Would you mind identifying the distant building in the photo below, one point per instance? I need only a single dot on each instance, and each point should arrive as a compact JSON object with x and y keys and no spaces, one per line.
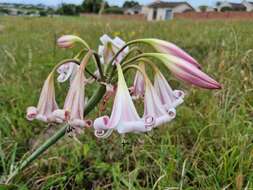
{"x":14,"y":9}
{"x":229,"y":6}
{"x":160,"y":10}
{"x":13,"y":12}
{"x":133,"y":10}
{"x":248,"y":5}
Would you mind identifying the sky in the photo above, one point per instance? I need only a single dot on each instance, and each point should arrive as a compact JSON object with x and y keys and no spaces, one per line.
{"x":195,"y":3}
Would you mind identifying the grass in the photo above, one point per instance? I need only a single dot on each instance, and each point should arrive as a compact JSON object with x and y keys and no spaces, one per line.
{"x":208,"y":146}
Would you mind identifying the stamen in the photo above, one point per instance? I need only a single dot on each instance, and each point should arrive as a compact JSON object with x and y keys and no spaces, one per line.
{"x":171,"y":112}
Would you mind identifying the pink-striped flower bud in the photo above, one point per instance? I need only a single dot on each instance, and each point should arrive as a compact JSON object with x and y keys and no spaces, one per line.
{"x":185,"y":71}
{"x":169,"y":48}
{"x":68,"y":41}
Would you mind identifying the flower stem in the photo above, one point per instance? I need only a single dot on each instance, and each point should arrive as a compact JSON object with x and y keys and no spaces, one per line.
{"x":51,"y":141}
{"x":95,"y":99}
{"x":97,"y":59}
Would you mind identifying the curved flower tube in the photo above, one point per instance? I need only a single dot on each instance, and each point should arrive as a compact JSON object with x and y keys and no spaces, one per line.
{"x":153,"y":107}
{"x":73,"y":109}
{"x":110,"y":47}
{"x":169,"y":48}
{"x":124,"y":117}
{"x":168,"y":97}
{"x":185,"y":71}
{"x":46,"y":105}
{"x":138,"y":88}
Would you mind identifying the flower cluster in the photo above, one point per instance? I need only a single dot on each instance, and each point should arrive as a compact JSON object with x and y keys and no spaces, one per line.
{"x":114,"y":59}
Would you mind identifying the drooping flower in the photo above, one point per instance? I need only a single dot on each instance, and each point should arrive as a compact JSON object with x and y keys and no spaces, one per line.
{"x":153,"y":107}
{"x":46,"y":105}
{"x":168,"y":97}
{"x":66,"y":71}
{"x":68,"y":41}
{"x":170,"y":48}
{"x":138,"y":88}
{"x":110,"y":47}
{"x":185,"y":71}
{"x":124,"y":117}
{"x":73,"y":110}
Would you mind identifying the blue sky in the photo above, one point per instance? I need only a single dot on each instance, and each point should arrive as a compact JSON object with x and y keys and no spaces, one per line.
{"x":112,"y":2}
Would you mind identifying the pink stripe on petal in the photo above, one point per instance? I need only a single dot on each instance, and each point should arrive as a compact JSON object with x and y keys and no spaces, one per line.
{"x":198,"y":73}
{"x":183,"y":70}
{"x":175,"y":50}
{"x":197,"y":82}
{"x":31,"y":113}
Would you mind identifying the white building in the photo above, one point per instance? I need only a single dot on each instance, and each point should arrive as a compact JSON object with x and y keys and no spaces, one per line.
{"x":13,"y":12}
{"x":160,"y":10}
{"x":248,"y":5}
{"x":133,"y":10}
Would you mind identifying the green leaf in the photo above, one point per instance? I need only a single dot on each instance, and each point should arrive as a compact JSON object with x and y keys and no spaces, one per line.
{"x":86,"y":150}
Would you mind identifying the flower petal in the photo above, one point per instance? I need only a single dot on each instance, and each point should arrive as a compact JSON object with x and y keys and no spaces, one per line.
{"x":154,"y":108}
{"x":138,"y":88}
{"x":80,"y":123}
{"x":185,"y":71}
{"x":167,"y":96}
{"x":63,"y":115}
{"x":31,"y":113}
{"x":133,"y":126}
{"x":123,"y":113}
{"x":66,"y":71}
{"x":47,"y":103}
{"x":170,"y":48}
{"x":110,"y":48}
{"x":105,"y":39}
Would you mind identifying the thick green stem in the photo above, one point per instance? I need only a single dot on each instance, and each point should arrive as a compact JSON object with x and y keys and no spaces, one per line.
{"x":94,"y":100}
{"x":38,"y":152}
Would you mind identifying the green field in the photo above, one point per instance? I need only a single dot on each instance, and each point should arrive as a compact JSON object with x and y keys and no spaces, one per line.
{"x":208,"y":146}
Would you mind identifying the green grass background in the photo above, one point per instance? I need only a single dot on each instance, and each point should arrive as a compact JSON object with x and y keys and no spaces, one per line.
{"x":208,"y":146}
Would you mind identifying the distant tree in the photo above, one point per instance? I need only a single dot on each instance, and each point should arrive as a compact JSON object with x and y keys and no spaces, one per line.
{"x":93,"y":6}
{"x":79,"y":9}
{"x":69,"y":9}
{"x":43,"y":13}
{"x":30,"y":12}
{"x":114,"y":10}
{"x":4,"y":10}
{"x":203,"y":8}
{"x":20,"y":12}
{"x":225,"y":9}
{"x":130,"y":4}
{"x":50,"y":11}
